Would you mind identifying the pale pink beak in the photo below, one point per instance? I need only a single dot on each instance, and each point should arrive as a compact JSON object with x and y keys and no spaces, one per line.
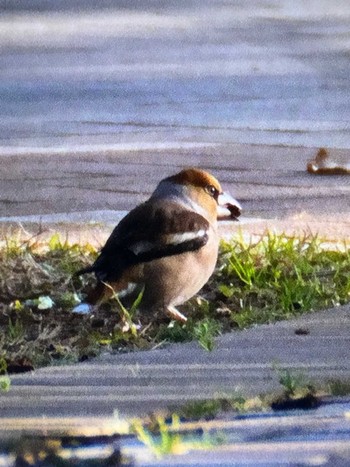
{"x":228,"y":207}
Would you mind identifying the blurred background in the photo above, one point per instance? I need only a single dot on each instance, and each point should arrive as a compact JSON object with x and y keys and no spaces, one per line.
{"x":114,"y":72}
{"x":248,"y":90}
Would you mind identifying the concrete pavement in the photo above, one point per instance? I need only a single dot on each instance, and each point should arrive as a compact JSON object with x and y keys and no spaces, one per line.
{"x":93,"y":398}
{"x":137,"y":383}
{"x":98,"y":104}
{"x":119,"y":74}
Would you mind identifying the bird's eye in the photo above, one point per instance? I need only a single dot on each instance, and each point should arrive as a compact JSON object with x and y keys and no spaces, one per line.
{"x":212,"y":191}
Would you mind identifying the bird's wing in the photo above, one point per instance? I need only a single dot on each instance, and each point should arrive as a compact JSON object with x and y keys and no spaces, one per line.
{"x":148,"y":232}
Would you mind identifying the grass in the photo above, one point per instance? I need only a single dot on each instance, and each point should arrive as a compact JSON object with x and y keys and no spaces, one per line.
{"x":279,"y":277}
{"x":209,"y":409}
{"x":338,"y":387}
{"x":167,"y":436}
{"x":172,"y":432}
{"x":5,"y":382}
{"x":166,"y":441}
{"x":273,"y":278}
{"x":296,"y":391}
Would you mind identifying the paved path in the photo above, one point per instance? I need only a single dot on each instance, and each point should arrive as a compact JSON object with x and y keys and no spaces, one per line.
{"x":138,"y":382}
{"x":128,"y":74}
{"x":86,"y":398}
{"x":270,"y":182}
{"x":99,"y":103}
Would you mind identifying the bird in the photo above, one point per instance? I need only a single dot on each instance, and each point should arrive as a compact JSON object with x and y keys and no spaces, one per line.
{"x":325,"y":164}
{"x":168,"y":245}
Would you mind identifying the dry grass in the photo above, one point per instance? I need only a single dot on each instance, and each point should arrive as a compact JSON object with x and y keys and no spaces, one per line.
{"x":274,"y":278}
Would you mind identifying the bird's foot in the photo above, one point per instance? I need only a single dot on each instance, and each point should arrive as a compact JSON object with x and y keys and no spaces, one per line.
{"x":173,"y":313}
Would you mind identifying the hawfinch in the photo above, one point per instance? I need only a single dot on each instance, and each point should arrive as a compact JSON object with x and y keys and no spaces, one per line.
{"x":169,"y":244}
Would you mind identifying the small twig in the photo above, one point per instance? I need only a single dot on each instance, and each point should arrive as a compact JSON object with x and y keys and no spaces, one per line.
{"x":126,"y":318}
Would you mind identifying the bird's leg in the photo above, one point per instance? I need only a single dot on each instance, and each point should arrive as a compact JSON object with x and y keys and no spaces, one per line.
{"x":173,"y":313}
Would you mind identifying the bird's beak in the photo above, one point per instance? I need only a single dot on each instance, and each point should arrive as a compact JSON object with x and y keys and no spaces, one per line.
{"x":228,"y":207}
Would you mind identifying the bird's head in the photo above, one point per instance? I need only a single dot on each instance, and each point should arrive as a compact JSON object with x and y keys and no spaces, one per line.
{"x":205,"y":191}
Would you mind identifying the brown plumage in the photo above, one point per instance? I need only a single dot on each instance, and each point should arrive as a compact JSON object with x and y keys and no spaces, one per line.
{"x":169,"y":244}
